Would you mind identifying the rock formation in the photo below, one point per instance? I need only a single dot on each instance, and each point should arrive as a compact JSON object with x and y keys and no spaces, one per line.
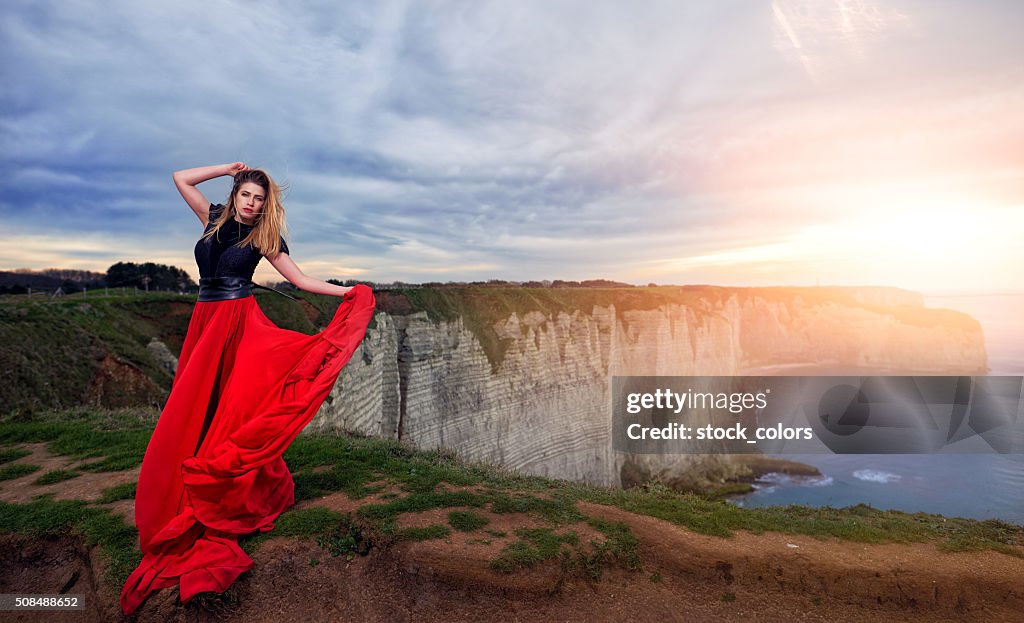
{"x":542,"y":404}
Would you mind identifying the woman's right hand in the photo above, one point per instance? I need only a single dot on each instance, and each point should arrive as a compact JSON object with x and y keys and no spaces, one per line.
{"x":235,"y":168}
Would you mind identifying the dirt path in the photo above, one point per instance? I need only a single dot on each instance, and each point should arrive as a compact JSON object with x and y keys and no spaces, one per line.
{"x":86,"y":486}
{"x":685,"y":576}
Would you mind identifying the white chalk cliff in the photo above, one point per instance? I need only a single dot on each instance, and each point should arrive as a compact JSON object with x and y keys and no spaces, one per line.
{"x":543,"y":406}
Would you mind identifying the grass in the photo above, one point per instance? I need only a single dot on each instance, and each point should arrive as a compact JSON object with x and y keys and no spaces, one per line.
{"x":312,"y":521}
{"x":10,"y":472}
{"x":384,"y":515}
{"x":433,"y":531}
{"x":355,"y":463}
{"x":362,"y":465}
{"x":96,"y":526}
{"x":12,"y":454}
{"x":346,"y":540}
{"x":619,"y":548}
{"x":54,"y":351}
{"x":535,"y":545}
{"x":860,"y":523}
{"x":55,"y":476}
{"x":559,"y":511}
{"x":332,"y":530}
{"x":125,"y":491}
{"x":467,"y":521}
{"x":117,"y":438}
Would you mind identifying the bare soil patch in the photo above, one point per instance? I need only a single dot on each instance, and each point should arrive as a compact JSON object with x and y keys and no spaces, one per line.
{"x":685,"y":576}
{"x":87,"y":486}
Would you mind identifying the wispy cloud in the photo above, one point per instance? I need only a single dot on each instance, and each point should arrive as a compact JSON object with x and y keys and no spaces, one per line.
{"x":508,"y":140}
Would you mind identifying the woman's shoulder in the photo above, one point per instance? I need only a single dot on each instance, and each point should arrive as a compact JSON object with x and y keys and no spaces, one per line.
{"x":213,"y":214}
{"x":282,"y":247}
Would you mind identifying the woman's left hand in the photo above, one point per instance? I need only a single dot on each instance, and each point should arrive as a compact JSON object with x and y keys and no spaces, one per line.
{"x":236,"y":168}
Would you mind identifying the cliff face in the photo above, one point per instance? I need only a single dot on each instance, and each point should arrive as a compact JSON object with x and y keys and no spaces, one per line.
{"x":543,"y":404}
{"x":876,"y":338}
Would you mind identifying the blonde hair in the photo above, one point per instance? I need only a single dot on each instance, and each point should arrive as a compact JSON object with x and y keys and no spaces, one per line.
{"x":270,"y":224}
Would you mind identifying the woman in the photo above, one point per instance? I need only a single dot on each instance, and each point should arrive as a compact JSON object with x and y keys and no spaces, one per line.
{"x":243,"y":391}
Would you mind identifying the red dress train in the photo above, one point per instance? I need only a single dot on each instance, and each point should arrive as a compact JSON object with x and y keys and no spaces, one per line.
{"x":254,"y":387}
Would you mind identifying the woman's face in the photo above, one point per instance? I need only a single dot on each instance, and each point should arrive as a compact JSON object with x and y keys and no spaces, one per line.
{"x":249,"y":200}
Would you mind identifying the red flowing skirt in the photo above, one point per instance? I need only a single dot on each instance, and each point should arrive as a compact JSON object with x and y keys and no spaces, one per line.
{"x":213,"y":470}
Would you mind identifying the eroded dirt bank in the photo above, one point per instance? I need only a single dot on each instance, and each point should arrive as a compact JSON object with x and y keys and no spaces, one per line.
{"x":684,"y":577}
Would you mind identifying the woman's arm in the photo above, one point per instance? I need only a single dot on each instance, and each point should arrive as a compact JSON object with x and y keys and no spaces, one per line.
{"x":290,"y":271}
{"x":187,"y":180}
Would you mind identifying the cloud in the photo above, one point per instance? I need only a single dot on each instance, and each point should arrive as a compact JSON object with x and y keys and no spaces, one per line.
{"x":495,"y":139}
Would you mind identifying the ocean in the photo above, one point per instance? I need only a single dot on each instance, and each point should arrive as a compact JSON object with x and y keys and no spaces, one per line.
{"x":979,"y":486}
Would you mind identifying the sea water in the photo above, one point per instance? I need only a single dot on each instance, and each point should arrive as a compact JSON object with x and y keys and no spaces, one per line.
{"x":979,"y":486}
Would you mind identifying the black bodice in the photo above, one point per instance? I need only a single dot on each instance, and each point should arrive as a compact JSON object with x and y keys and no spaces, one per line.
{"x":218,"y":257}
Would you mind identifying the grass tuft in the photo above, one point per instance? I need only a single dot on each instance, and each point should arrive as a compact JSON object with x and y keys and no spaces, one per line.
{"x":17,"y":470}
{"x":381,"y":514}
{"x":12,"y":454}
{"x":467,"y":521}
{"x":57,"y":475}
{"x":332,"y":530}
{"x":125,"y":491}
{"x":434,"y":531}
{"x":558,"y":511}
{"x":620,"y":548}
{"x":307,"y":522}
{"x":345,"y":540}
{"x":535,"y":545}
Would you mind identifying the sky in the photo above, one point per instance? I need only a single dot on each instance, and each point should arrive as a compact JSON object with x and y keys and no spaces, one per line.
{"x":729,"y":142}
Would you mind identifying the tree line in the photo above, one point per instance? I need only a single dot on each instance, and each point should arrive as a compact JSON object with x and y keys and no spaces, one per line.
{"x":147,"y":276}
{"x":151,"y":276}
{"x":490,"y":283}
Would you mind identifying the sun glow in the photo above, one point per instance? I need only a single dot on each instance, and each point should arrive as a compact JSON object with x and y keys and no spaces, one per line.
{"x":908,"y":241}
{"x":917,"y":230}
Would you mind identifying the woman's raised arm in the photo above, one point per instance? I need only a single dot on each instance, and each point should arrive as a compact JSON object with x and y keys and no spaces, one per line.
{"x":187,"y":179}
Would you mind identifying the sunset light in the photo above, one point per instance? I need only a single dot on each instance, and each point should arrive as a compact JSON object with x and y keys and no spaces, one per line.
{"x":793,"y":142}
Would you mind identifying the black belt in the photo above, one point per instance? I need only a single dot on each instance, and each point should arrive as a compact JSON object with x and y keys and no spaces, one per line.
{"x":227,"y":288}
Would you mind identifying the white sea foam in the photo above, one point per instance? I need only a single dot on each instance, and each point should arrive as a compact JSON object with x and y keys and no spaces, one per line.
{"x":774,"y":478}
{"x":874,"y":475}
